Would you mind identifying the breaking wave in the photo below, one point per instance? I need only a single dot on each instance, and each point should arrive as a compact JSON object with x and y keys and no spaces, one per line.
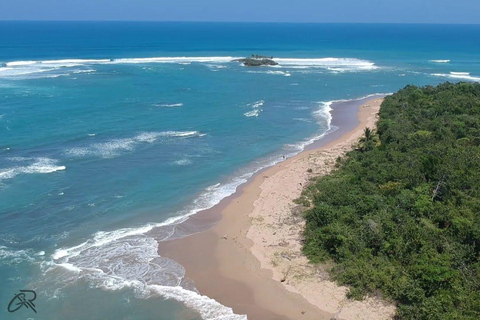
{"x":256,"y":109}
{"x":440,"y":61}
{"x":30,"y":166}
{"x":20,"y":69}
{"x":12,"y":257}
{"x":128,"y":258}
{"x":183,"y":162}
{"x":274,"y":72}
{"x":332,"y":64}
{"x":253,"y":113}
{"x":115,"y":147}
{"x":458,"y":75}
{"x":323,"y":117}
{"x":166,"y":105}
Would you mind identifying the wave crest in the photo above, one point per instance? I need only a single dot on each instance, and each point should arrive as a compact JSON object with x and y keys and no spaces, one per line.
{"x":458,"y":75}
{"x":12,"y":257}
{"x":14,"y":69}
{"x":332,"y":64}
{"x":256,"y":108}
{"x":37,"y":165}
{"x":166,"y":105}
{"x":115,"y":147}
{"x":128,"y":258}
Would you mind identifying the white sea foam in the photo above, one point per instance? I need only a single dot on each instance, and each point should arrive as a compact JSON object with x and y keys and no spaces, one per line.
{"x":215,"y":67}
{"x":458,"y":75}
{"x":56,"y":76}
{"x":36,"y":165}
{"x":128,"y":258}
{"x":71,"y":62}
{"x":257,"y":104}
{"x":183,"y":162}
{"x":440,"y":61}
{"x":22,"y":71}
{"x":15,"y":69}
{"x":253,"y":113}
{"x":256,"y":109}
{"x":179,"y":60}
{"x":274,"y":72}
{"x":84,"y":71}
{"x":70,"y":267}
{"x":207,"y":307}
{"x":182,"y":134}
{"x":302,"y":119}
{"x":20,"y":63}
{"x":115,"y":147}
{"x":323,"y":117}
{"x":166,"y":105}
{"x":23,"y":68}
{"x":334,"y":64}
{"x":11,"y":256}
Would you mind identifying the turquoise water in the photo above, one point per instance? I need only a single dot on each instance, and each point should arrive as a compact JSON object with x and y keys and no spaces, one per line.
{"x":111,"y":133}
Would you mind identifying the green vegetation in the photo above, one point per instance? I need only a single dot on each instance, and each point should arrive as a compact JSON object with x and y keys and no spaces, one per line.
{"x":400,"y":216}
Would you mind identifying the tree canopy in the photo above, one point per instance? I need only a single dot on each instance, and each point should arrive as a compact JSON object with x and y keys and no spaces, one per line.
{"x":400,"y":215}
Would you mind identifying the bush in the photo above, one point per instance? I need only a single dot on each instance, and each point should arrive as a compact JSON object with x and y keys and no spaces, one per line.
{"x":401,"y":217}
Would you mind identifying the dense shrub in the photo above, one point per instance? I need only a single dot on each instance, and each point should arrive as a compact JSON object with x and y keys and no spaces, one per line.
{"x":401,"y":216}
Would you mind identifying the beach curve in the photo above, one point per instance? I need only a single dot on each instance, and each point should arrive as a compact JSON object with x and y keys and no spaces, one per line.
{"x":251,"y":259}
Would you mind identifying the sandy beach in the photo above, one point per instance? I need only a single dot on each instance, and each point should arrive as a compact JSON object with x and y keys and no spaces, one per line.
{"x":251,"y":259}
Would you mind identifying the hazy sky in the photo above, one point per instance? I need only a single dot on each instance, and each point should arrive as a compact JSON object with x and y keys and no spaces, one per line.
{"x":407,"y":11}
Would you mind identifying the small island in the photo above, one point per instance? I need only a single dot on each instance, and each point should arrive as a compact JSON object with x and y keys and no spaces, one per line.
{"x":256,"y":60}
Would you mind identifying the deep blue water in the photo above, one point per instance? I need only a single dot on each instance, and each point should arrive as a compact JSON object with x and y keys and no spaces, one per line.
{"x":112,"y":132}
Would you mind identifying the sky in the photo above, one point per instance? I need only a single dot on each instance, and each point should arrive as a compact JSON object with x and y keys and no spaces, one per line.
{"x":363,"y":11}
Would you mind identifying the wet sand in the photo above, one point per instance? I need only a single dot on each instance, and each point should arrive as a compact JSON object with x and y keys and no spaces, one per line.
{"x":251,"y":260}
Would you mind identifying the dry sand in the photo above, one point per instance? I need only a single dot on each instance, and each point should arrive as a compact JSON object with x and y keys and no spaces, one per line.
{"x":251,"y":259}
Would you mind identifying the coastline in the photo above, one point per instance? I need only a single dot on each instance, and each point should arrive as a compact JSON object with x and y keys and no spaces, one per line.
{"x":248,"y":259}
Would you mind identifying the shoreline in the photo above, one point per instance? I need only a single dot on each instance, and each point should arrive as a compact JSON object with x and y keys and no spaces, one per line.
{"x":251,"y":260}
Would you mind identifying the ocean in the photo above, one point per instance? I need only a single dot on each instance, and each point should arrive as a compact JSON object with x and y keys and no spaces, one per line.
{"x":111,"y":133}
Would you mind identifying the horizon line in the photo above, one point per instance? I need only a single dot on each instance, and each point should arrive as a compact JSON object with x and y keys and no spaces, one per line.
{"x":245,"y":22}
